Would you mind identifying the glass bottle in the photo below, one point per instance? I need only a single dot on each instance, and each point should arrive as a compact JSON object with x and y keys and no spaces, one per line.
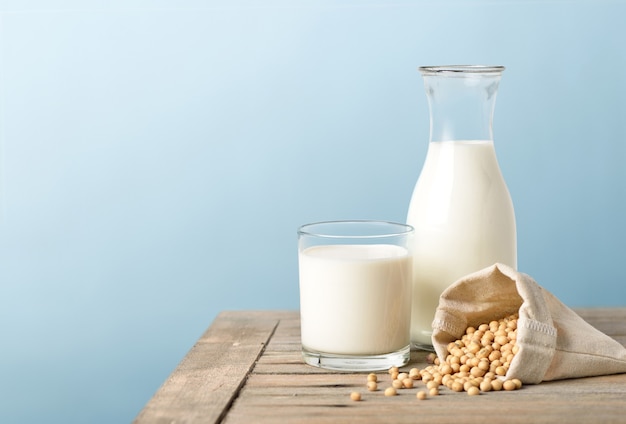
{"x":461,"y":208}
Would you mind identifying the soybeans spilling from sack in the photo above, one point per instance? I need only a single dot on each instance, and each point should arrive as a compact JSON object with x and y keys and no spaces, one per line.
{"x":475,"y":363}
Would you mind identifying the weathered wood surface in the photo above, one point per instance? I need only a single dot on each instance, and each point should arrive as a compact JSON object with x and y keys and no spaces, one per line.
{"x":247,"y":368}
{"x":203,"y":386}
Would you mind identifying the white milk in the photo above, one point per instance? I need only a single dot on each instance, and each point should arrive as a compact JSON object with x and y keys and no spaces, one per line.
{"x":355,"y":299}
{"x":464,"y":221}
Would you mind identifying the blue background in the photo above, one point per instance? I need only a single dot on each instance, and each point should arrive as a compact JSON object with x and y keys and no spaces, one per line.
{"x":156,"y":158}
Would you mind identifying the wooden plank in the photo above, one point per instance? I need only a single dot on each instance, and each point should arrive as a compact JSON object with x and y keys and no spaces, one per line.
{"x":611,"y":321}
{"x":325,"y":398}
{"x":207,"y":380}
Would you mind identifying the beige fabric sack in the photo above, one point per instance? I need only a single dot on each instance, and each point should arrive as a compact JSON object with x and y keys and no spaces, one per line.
{"x":554,"y":342}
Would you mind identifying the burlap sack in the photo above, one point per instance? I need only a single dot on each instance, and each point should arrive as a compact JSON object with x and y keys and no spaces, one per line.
{"x":554,"y":342}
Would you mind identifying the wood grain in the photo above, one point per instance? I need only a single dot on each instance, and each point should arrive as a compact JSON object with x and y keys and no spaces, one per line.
{"x":207,"y":380}
{"x":247,"y":368}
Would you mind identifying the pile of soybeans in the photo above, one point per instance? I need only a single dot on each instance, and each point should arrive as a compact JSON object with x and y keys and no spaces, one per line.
{"x":477,"y":362}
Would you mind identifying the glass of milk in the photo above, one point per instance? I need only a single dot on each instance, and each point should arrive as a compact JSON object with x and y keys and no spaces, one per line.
{"x":355,"y":294}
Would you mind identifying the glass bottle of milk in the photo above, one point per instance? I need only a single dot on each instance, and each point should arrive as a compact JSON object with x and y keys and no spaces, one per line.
{"x":461,"y":208}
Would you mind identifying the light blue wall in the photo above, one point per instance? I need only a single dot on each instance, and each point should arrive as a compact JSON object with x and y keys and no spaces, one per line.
{"x":156,"y":158}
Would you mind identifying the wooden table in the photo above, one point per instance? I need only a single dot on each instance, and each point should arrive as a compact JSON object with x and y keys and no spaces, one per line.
{"x":247,"y":368}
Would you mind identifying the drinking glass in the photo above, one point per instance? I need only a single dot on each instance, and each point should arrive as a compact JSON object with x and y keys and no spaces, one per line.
{"x":355,"y":294}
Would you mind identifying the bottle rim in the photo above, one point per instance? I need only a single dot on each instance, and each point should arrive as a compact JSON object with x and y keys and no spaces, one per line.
{"x":462,"y":69}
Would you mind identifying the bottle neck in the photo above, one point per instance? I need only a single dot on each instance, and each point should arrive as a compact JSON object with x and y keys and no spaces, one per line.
{"x":461,"y":103}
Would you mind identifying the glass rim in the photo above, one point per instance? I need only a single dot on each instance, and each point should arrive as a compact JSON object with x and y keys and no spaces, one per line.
{"x":402,"y":229}
{"x":462,"y":69}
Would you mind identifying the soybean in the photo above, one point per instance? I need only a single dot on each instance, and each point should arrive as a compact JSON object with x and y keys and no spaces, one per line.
{"x":509,"y":385}
{"x":390,"y":391}
{"x":473,"y":391}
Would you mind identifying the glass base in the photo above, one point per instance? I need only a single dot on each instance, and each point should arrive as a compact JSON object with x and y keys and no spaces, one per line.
{"x":422,"y":346}
{"x":336,"y":362}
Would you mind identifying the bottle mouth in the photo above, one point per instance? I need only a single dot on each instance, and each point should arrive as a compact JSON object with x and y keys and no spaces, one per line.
{"x":461,"y":69}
